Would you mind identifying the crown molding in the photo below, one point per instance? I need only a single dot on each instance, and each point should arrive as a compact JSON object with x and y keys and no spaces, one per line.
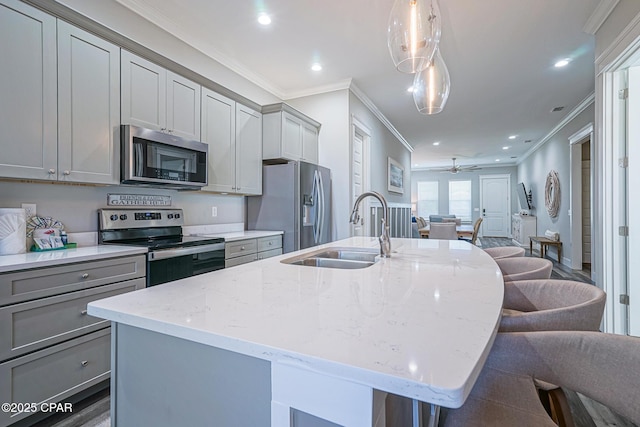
{"x":599,"y":15}
{"x":376,"y":112}
{"x":572,"y":115}
{"x":331,"y":87}
{"x":151,"y":14}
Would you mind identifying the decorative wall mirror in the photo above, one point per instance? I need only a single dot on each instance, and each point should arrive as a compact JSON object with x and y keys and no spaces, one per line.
{"x":552,"y":194}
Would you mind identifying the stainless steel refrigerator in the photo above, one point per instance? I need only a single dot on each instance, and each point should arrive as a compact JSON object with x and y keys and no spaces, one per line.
{"x":296,"y":198}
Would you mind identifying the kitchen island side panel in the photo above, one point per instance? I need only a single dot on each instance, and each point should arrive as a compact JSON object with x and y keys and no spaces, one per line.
{"x":166,"y":381}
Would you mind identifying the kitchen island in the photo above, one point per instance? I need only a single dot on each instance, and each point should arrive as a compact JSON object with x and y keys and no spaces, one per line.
{"x":262,"y":343}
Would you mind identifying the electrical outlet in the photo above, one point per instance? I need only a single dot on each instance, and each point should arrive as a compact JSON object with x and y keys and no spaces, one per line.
{"x":30,"y":209}
{"x":214,"y":211}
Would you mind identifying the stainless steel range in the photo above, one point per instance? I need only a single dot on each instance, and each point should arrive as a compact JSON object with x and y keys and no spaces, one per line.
{"x":171,"y":255}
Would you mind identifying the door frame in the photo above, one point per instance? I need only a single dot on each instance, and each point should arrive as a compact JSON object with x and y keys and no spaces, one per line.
{"x":622,"y":52}
{"x":358,"y":127}
{"x":575,"y":193}
{"x":509,"y":213}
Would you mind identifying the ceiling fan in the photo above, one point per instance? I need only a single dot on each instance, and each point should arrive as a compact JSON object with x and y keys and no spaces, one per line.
{"x":457,"y":168}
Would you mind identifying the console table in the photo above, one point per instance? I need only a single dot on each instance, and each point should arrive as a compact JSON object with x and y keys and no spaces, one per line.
{"x":544,"y":244}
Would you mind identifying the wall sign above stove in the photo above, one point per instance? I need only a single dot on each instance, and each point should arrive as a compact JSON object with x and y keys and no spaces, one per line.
{"x":137,"y":200}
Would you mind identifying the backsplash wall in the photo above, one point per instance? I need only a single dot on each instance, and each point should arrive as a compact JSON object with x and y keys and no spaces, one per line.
{"x":76,"y":205}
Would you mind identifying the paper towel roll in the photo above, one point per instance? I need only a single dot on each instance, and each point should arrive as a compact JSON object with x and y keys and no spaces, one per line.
{"x":13,"y":231}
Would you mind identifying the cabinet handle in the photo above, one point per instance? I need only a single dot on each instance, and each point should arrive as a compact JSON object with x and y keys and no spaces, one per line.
{"x":242,"y":248}
{"x":85,"y":275}
{"x":51,"y":171}
{"x":83,"y":312}
{"x":163,"y":129}
{"x":66,"y":173}
{"x":84,"y":363}
{"x":238,"y":189}
{"x":170,"y":130}
{"x":270,"y":243}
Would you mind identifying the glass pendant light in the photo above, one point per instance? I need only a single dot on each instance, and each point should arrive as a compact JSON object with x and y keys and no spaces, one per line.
{"x":431,"y":86}
{"x":413,"y":33}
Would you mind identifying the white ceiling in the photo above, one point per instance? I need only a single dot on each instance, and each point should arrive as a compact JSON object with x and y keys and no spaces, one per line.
{"x":500,"y":55}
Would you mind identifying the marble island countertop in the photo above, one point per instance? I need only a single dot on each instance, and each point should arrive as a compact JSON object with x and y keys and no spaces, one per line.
{"x":418,"y":324}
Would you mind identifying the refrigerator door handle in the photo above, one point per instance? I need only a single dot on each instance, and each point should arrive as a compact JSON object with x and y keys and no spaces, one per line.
{"x":321,"y":206}
{"x":315,"y":193}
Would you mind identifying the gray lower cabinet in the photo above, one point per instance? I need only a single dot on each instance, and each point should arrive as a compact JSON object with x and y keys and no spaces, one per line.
{"x":248,"y":250}
{"x":50,"y":348}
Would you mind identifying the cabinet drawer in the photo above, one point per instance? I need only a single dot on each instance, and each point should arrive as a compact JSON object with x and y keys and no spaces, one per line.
{"x":32,"y":325}
{"x":240,"y":260}
{"x":55,"y":373}
{"x":240,"y":248}
{"x":268,"y":243}
{"x":43,"y":282}
{"x":269,"y":254}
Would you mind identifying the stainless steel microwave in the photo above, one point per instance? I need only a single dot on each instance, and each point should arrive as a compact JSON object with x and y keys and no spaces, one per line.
{"x":157,"y":159}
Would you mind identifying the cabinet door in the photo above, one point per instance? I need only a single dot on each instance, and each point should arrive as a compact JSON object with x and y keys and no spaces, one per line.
{"x":219,"y":132}
{"x":144,"y":92}
{"x":88,"y":107}
{"x":291,"y":137}
{"x":28,"y":115}
{"x":310,"y":144}
{"x":183,"y":107}
{"x":248,"y":150}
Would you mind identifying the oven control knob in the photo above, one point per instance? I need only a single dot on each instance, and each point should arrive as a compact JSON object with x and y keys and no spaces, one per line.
{"x":123,"y":217}
{"x":176,"y":216}
{"x":113,"y":217}
{"x":170,"y":216}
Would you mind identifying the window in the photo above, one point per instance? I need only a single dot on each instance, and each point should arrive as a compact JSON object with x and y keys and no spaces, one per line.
{"x":427,"y":198}
{"x":460,"y":199}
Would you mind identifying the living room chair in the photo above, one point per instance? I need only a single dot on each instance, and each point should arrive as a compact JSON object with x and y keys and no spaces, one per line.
{"x":524,"y":268}
{"x":443,"y":231}
{"x":551,"y":305}
{"x":603,"y":367}
{"x":505,"y":252}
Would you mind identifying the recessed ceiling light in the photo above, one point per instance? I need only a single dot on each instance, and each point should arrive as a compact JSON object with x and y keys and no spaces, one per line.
{"x":506,"y":147}
{"x":415,"y":165}
{"x":436,"y":143}
{"x":264,"y":19}
{"x":497,"y":160}
{"x":410,"y":89}
{"x":562,"y":63}
{"x":513,"y":136}
{"x":316,"y":67}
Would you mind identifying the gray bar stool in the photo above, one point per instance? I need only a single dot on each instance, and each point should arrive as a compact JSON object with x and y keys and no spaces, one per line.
{"x":505,"y":252}
{"x":524,"y":268}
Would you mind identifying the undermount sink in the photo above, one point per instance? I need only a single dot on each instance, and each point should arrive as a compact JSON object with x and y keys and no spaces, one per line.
{"x":345,"y":258}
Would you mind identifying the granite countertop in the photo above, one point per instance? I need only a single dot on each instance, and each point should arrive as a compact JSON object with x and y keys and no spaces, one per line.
{"x":419,"y":324}
{"x":65,"y":256}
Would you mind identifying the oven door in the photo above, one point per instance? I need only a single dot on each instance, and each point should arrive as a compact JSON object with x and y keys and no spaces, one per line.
{"x":166,"y":265}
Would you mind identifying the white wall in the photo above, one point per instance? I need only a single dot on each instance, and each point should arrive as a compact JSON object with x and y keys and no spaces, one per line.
{"x":332,"y":111}
{"x":474,"y":176}
{"x":76,"y":205}
{"x":554,"y":155}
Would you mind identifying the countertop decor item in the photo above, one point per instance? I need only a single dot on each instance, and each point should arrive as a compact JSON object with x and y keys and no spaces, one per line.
{"x":38,"y":222}
{"x":12,"y":231}
{"x":552,"y":194}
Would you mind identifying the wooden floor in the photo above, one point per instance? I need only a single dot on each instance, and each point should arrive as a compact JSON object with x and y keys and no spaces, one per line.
{"x":586,"y":412}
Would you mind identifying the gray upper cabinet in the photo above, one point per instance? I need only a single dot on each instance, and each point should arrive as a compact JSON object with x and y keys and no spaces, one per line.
{"x":155,"y":98}
{"x":60,"y":99}
{"x":234,"y":135}
{"x":289,"y":134}
{"x":248,"y":150}
{"x":88,"y":107}
{"x":28,"y":86}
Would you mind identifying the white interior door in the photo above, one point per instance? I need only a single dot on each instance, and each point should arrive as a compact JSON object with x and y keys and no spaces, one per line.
{"x":495,"y":205}
{"x":360,"y":138}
